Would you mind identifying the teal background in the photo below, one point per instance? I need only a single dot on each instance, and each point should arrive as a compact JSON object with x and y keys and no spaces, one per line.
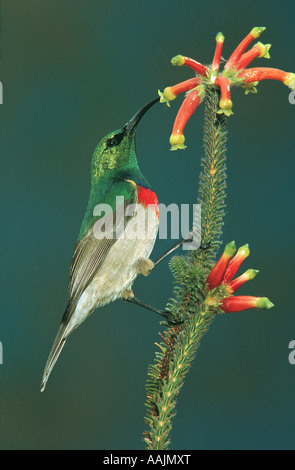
{"x":72,"y":71}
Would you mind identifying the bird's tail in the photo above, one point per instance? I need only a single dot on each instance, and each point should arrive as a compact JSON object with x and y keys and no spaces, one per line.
{"x":56,"y":349}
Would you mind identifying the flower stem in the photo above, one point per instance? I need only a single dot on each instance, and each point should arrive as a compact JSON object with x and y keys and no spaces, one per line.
{"x":192,"y":302}
{"x":212,"y":181}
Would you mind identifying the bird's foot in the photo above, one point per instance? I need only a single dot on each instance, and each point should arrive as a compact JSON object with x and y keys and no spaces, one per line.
{"x":145,"y":266}
{"x":170,"y":319}
{"x":205,"y":246}
{"x":127,"y":295}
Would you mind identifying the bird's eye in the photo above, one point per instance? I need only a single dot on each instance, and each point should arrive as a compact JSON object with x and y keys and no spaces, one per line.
{"x":111,"y":142}
{"x":115,"y":140}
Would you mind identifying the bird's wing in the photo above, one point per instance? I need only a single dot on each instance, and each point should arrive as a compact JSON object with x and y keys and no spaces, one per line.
{"x":88,"y":256}
{"x":91,"y":251}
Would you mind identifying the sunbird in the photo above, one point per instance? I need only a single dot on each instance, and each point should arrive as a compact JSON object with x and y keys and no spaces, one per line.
{"x":106,"y":262}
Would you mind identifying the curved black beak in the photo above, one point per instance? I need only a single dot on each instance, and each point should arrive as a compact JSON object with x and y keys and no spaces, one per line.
{"x":131,"y":125}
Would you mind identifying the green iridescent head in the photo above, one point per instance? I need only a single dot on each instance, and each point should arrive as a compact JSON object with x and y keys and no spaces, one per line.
{"x":116,"y":151}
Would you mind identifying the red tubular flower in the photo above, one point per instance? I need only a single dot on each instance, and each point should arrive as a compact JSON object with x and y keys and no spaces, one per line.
{"x":222,"y":274}
{"x":218,"y":52}
{"x":235,"y":57}
{"x":217,"y":273}
{"x":171,"y":92}
{"x":235,"y":73}
{"x":193,"y":64}
{"x":187,"y":108}
{"x":225,"y":102}
{"x":259,"y":50}
{"x":244,"y":302}
{"x":265,"y":73}
{"x":235,"y":263}
{"x":239,"y":281}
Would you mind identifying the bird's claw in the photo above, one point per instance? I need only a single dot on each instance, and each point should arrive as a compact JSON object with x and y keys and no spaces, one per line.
{"x":127,"y":295}
{"x":205,"y":246}
{"x":170,"y":320}
{"x":145,"y":266}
